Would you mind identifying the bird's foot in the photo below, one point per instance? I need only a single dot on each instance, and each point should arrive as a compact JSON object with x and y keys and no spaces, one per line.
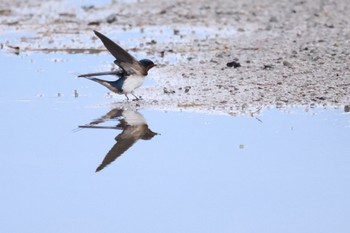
{"x":136,"y":98}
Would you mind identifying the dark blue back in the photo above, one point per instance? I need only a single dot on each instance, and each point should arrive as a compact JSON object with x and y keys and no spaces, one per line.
{"x":118,"y":83}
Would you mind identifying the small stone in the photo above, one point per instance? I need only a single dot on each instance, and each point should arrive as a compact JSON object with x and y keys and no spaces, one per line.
{"x":76,"y":94}
{"x":151,"y":42}
{"x":88,"y":7}
{"x":287,"y":63}
{"x":111,"y":18}
{"x":273,"y":19}
{"x":329,"y":25}
{"x":168,"y":91}
{"x":347,"y":108}
{"x":268,"y":27}
{"x":15,"y":49}
{"x":94,"y":23}
{"x":321,"y":98}
{"x":267,"y":67}
{"x":234,"y":64}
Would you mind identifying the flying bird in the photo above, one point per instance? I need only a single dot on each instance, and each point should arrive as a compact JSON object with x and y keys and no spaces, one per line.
{"x":131,"y":74}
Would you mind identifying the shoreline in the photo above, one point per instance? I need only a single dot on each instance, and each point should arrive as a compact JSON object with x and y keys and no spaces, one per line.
{"x":290,"y":53}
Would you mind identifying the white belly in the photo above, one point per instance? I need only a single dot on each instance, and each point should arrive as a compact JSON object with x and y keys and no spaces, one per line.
{"x":132,"y":82}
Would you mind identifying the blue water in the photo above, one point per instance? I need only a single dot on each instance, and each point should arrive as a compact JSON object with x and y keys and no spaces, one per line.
{"x":286,"y":172}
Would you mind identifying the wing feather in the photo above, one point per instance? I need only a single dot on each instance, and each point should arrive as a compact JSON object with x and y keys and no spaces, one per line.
{"x":123,"y":58}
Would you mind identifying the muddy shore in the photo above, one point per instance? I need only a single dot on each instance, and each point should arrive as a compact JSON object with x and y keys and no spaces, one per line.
{"x":227,"y":56}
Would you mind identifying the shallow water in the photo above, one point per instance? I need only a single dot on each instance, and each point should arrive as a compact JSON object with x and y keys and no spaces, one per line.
{"x":284,"y":170}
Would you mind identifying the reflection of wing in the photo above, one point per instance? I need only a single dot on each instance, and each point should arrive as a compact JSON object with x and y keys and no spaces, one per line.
{"x":123,"y":58}
{"x":133,"y":126}
{"x":124,"y":141}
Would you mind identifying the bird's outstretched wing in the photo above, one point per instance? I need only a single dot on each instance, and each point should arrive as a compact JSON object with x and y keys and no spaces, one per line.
{"x":123,"y":58}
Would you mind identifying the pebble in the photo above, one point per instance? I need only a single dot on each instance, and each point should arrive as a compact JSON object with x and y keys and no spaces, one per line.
{"x":234,"y":64}
{"x":111,"y":18}
{"x":168,"y":91}
{"x":286,"y":63}
{"x":267,"y":67}
{"x":187,"y":89}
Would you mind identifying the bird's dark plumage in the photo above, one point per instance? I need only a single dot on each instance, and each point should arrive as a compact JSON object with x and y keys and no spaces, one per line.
{"x":115,"y":86}
{"x":123,"y":59}
{"x":131,"y":74}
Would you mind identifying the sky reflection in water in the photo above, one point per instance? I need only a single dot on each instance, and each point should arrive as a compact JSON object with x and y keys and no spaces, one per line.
{"x":203,"y":173}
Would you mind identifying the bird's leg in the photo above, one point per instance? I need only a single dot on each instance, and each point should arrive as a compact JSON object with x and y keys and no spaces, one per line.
{"x":136,"y":98}
{"x":127,"y":98}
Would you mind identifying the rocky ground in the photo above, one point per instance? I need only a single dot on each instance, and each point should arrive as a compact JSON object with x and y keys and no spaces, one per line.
{"x":227,"y":56}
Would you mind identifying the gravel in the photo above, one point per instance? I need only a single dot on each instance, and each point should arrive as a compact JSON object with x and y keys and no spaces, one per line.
{"x":224,"y":56}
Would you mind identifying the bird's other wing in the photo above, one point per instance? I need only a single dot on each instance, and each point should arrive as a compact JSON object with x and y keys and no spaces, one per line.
{"x":123,"y":58}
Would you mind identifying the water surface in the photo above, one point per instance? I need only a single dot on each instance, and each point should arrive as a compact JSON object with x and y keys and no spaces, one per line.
{"x":286,"y":171}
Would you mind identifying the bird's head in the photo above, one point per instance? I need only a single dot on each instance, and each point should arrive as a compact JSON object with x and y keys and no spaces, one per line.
{"x":148,"y":64}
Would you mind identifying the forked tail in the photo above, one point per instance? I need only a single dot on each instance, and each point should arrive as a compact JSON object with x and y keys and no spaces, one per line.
{"x":118,"y":72}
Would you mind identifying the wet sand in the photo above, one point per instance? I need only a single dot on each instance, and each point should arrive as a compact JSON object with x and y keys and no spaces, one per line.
{"x":224,"y":56}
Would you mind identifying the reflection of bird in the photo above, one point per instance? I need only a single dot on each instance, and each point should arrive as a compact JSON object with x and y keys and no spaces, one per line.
{"x":134,"y":127}
{"x":131,"y":74}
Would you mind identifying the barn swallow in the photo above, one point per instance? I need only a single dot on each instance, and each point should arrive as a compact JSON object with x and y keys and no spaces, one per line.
{"x":133,"y":126}
{"x":131,"y":74}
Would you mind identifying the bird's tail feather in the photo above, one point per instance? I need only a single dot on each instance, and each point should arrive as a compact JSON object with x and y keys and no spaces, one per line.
{"x":107,"y":84}
{"x":99,"y":74}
